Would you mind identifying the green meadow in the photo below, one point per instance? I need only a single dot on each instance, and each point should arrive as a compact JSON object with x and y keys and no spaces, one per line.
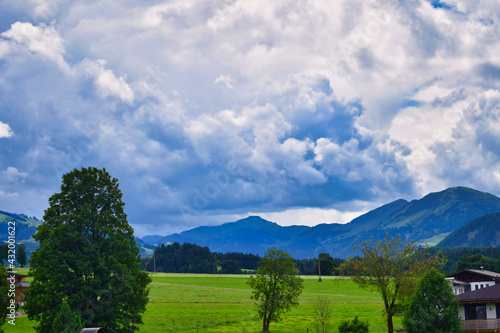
{"x":221,"y":303}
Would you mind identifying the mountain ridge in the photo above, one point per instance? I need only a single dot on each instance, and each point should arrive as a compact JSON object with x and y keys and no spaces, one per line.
{"x":426,"y":221}
{"x":482,"y":231}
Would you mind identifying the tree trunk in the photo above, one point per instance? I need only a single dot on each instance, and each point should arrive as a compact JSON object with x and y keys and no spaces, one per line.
{"x":265,"y":325}
{"x":390,"y":326}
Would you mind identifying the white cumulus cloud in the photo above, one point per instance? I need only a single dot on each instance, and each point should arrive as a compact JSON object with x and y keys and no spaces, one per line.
{"x":5,"y":130}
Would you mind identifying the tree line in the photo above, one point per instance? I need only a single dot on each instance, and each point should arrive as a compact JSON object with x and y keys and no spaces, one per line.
{"x":469,"y":257}
{"x":192,"y":258}
{"x":21,"y":254}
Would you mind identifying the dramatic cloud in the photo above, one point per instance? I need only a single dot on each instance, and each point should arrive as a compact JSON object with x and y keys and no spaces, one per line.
{"x":303,"y":112}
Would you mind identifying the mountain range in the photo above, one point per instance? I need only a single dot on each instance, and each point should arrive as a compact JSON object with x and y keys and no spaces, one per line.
{"x":457,"y":216}
{"x":426,"y":221}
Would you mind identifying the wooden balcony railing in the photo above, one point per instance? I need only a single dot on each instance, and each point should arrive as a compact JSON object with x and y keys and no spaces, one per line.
{"x":481,"y":325}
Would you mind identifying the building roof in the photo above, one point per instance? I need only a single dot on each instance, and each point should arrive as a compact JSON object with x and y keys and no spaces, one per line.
{"x":488,"y":294}
{"x":478,"y":272}
{"x":459,"y":283}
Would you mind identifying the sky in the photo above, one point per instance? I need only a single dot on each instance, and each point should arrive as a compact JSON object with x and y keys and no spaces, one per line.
{"x":302,"y":112}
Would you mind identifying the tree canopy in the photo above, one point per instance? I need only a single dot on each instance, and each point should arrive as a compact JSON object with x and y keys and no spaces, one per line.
{"x":433,"y":308}
{"x":192,"y":258}
{"x":391,"y":268}
{"x":276,"y":286}
{"x":4,"y":299}
{"x":477,"y":261}
{"x":22,"y":258}
{"x":87,"y":257}
{"x":324,"y":265}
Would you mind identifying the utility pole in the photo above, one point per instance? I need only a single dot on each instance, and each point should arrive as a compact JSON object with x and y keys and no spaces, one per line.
{"x":319,"y":268}
{"x":215,"y":263}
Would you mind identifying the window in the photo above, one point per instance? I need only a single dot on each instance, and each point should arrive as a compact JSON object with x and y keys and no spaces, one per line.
{"x":475,"y":312}
{"x":470,"y":312}
{"x":481,"y":312}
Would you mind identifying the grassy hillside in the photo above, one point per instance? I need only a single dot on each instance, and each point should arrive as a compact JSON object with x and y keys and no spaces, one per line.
{"x":482,"y":231}
{"x":208,"y":303}
{"x":145,"y":250}
{"x":25,"y":226}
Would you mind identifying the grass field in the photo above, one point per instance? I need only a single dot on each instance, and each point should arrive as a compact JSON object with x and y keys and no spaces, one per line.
{"x":208,"y":303}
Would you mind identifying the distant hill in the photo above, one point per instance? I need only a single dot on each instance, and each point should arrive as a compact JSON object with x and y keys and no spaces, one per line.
{"x":152,"y":239}
{"x":482,"y":231}
{"x":425,"y":221}
{"x":146,"y":250}
{"x":26,"y":226}
{"x":250,"y":235}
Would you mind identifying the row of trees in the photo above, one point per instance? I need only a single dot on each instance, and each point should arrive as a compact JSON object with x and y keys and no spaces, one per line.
{"x":324,"y":264}
{"x":21,"y":254}
{"x":191,"y":258}
{"x":470,"y":257}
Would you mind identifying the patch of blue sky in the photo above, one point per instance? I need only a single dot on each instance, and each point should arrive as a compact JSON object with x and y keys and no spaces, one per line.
{"x":409,"y":103}
{"x":440,"y":4}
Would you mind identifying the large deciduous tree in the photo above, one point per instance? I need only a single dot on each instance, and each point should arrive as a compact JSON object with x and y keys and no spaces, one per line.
{"x":433,"y":308}
{"x":4,"y":299}
{"x":87,"y":257}
{"x":276,"y":286}
{"x":391,"y":268}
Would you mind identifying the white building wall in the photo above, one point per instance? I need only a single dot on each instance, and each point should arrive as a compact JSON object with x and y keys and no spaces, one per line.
{"x":480,"y":285}
{"x":458,"y":290}
{"x":491,"y":311}
{"x":461,"y":312}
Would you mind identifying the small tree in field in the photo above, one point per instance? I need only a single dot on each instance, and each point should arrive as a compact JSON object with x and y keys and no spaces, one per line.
{"x":276,"y":286}
{"x":433,"y":308}
{"x":323,"y":312}
{"x":67,"y":321}
{"x":390,"y":268}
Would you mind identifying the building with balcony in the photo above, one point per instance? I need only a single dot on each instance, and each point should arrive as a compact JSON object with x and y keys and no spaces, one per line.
{"x":480,"y":308}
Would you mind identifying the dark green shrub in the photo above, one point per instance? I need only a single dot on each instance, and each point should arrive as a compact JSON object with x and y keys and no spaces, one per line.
{"x":353,"y":326}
